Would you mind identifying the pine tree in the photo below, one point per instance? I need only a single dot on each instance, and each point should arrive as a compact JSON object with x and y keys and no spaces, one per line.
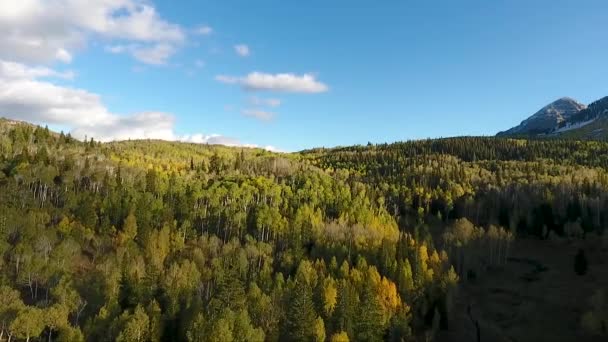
{"x":405,"y":278}
{"x":346,"y":308}
{"x":369,"y":325}
{"x":301,"y":315}
{"x":230,"y":292}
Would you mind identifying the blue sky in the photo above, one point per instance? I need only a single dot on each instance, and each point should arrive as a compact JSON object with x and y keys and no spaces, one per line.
{"x":356,"y":71}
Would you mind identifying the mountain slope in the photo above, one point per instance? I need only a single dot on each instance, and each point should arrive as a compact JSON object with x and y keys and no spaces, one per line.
{"x":595,"y":110}
{"x":547,"y":118}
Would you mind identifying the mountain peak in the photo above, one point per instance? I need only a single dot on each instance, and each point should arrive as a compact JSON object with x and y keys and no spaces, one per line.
{"x":547,"y":118}
{"x":566,"y":99}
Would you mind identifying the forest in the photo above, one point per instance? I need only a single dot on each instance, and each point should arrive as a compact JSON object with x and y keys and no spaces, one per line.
{"x":165,"y":241}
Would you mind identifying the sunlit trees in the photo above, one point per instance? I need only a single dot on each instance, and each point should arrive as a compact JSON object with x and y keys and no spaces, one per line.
{"x":136,"y":326}
{"x":145,"y":240}
{"x":11,"y":306}
{"x":28,"y":323}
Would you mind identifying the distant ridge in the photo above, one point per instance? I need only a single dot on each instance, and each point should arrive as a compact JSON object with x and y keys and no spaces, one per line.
{"x":565,"y":118}
{"x":547,"y":118}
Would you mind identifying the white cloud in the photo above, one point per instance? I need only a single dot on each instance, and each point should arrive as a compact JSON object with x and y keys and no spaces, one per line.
{"x":203,"y":30}
{"x":146,"y":125}
{"x":216,"y":139}
{"x":40,"y":31}
{"x":258,"y":114}
{"x":270,"y":102}
{"x":288,"y":82}
{"x":63,"y":56}
{"x":242,"y":50}
{"x":24,"y":96}
{"x":199,"y":63}
{"x":212,"y":139}
{"x":11,"y":70}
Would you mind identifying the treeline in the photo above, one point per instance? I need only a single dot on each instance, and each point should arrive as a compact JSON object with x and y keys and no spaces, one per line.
{"x":532,"y":187}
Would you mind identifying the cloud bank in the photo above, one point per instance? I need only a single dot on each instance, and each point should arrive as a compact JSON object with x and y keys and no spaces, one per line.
{"x":40,"y":31}
{"x":25,"y":94}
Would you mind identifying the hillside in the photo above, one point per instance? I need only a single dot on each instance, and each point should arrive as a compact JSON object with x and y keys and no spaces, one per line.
{"x":158,"y":241}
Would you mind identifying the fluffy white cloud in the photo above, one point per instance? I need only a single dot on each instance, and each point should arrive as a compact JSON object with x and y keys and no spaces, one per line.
{"x":242,"y":50}
{"x":39,"y":31}
{"x":63,"y":56}
{"x":212,"y":139}
{"x":146,"y":125}
{"x":258,"y":114}
{"x":11,"y":70}
{"x":25,"y":96}
{"x":292,"y":83}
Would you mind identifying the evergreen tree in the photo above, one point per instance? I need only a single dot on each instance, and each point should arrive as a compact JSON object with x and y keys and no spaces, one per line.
{"x":346,"y":308}
{"x":369,"y":324}
{"x":301,"y":315}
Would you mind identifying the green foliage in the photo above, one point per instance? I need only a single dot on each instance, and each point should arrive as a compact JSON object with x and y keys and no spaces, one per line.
{"x":152,"y":240}
{"x":28,"y":323}
{"x":300,"y":321}
{"x":369,"y":324}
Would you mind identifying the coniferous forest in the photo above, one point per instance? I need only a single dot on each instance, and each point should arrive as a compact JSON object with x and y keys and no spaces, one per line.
{"x":166,"y":241}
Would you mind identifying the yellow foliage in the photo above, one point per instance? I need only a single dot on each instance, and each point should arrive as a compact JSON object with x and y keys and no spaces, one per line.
{"x":373,"y":276}
{"x":339,"y":337}
{"x":356,"y":276}
{"x":423,"y":254}
{"x":388,"y":296}
{"x":330,"y":295}
{"x":319,"y":330}
{"x":435,"y":258}
{"x":64,"y":226}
